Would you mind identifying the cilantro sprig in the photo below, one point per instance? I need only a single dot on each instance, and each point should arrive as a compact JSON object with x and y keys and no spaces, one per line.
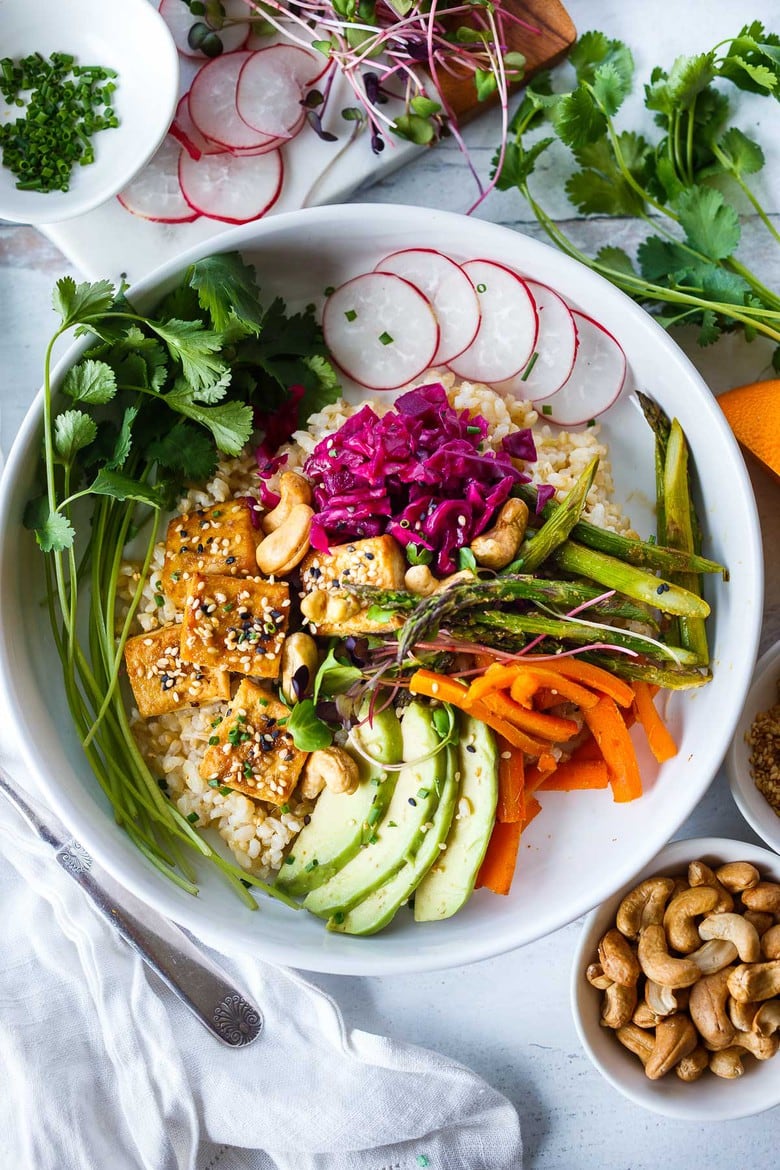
{"x":147,"y":410}
{"x":686,"y":270}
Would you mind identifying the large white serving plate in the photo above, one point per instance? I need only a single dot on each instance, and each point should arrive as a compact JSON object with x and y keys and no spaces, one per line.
{"x":582,"y":847}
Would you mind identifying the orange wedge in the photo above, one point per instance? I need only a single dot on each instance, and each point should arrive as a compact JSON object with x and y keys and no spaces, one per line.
{"x":753,"y":413}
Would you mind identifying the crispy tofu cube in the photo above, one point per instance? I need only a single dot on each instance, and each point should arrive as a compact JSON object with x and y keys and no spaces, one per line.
{"x":254,"y":754}
{"x":235,"y":624}
{"x":162,"y":682}
{"x":328,"y":607}
{"x":217,"y":540}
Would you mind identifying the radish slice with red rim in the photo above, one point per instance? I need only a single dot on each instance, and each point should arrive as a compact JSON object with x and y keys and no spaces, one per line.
{"x":269,"y":92}
{"x":179,"y":18}
{"x":380,"y":330}
{"x":309,"y":72}
{"x":507,"y":332}
{"x":552,"y":361}
{"x":184,"y":130}
{"x":212,"y":104}
{"x":596,"y":379}
{"x":229,"y":188}
{"x":449,"y":290}
{"x":155,"y":193}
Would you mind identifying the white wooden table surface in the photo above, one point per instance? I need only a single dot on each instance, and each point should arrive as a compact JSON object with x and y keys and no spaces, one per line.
{"x":509,"y":1017}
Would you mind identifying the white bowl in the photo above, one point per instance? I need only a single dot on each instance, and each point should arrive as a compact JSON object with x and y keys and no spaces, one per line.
{"x":128,"y":36}
{"x":710,"y":1098}
{"x":584,"y":846}
{"x":754,"y":807}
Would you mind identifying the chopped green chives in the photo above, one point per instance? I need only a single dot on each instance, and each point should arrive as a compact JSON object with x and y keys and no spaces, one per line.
{"x":527,"y":371}
{"x":385,"y":338}
{"x":350,"y":314}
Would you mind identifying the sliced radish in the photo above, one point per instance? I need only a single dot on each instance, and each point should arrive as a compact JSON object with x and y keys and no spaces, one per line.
{"x":381,"y":330}
{"x":155,"y":192}
{"x":212,"y":104}
{"x":177,"y":16}
{"x":268,"y":97}
{"x":449,"y":290}
{"x":229,"y":188}
{"x":596,"y":379}
{"x":507,"y":332}
{"x":308,"y":73}
{"x":188,"y":135}
{"x":555,"y":350}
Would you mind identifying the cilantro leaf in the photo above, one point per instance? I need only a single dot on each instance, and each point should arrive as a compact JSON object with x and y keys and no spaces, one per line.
{"x":124,"y":440}
{"x":230,"y":423}
{"x":185,"y":449}
{"x":323,"y":389}
{"x":196,"y":348}
{"x":593,"y":51}
{"x":659,"y":258}
{"x":616,"y":259}
{"x":73,"y":430}
{"x":677,"y":90}
{"x":308,"y":731}
{"x":53,"y":531}
{"x":80,"y":302}
{"x":537,"y":98}
{"x":519,"y":162}
{"x":122,"y":487}
{"x":611,"y":87}
{"x":746,"y":157}
{"x":710,"y":224}
{"x":90,"y":381}
{"x":710,"y":330}
{"x":577,"y":118}
{"x":139,"y":360}
{"x":227,"y":290}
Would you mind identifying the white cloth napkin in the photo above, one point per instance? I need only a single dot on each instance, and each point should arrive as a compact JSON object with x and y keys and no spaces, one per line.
{"x":101,"y":1068}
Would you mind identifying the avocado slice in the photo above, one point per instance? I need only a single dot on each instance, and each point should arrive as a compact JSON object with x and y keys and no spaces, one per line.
{"x":341,"y":823}
{"x":376,"y":910}
{"x":449,"y":883}
{"x":402,"y":829}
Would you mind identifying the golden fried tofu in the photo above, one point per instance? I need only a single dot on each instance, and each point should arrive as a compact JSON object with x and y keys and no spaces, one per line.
{"x":161,"y":682}
{"x":235,"y":624}
{"x":217,"y":540}
{"x":331,"y":609}
{"x":250,"y":752}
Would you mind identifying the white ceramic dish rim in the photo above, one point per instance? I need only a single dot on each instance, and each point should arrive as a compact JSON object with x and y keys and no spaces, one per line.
{"x":72,"y":807}
{"x":145,"y":128}
{"x":754,"y":807}
{"x":680,"y":1101}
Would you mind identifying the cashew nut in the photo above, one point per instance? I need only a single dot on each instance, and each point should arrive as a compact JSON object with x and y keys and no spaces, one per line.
{"x":636,"y":1040}
{"x":644,"y":905}
{"x":762,"y":922}
{"x":733,"y":928}
{"x":737,"y":876}
{"x":420,"y":580}
{"x":596,"y":977}
{"x":751,"y":981}
{"x":714,"y":955}
{"x":618,"y":960}
{"x":766,"y":1021}
{"x":770,"y":943}
{"x":499,"y":546}
{"x":286,"y":547}
{"x":644,"y":1016}
{"x":332,"y":768}
{"x":679,"y":924}
{"x":659,"y":965}
{"x":675,"y":1038}
{"x":618,"y":1005}
{"x":692,"y":1066}
{"x":662,"y":1001}
{"x":300,"y":660}
{"x":727,"y":1063}
{"x":741,"y":1014}
{"x":707,"y":1007}
{"x":293,"y":489}
{"x":700,"y":874}
{"x":762,"y":1047}
{"x":765,"y":896}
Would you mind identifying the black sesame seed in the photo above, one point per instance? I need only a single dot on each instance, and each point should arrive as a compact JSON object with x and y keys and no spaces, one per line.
{"x":470,"y":747}
{"x":412,"y":802}
{"x":230,"y":560}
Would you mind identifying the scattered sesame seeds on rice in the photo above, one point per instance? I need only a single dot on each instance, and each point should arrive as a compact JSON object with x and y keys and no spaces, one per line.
{"x":257,"y":833}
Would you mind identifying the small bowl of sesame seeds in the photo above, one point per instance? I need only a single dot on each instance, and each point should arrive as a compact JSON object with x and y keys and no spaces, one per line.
{"x":753,"y":760}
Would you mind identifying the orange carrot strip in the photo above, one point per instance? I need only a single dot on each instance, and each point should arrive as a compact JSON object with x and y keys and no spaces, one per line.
{"x":573,"y":775}
{"x":533,"y":808}
{"x":449,"y":690}
{"x":524,"y":687}
{"x":550,"y":727}
{"x":565,"y":687}
{"x":498,"y":865}
{"x":609,"y":731}
{"x":495,"y":678}
{"x":537,"y":774}
{"x":661,"y":743}
{"x":590,"y":676}
{"x":511,"y":782}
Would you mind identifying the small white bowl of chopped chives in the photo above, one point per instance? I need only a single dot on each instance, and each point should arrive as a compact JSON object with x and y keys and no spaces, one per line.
{"x":753,"y":760}
{"x":88,"y":90}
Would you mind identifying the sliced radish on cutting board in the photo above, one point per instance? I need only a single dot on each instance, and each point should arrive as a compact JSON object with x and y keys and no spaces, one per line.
{"x":317,"y":67}
{"x":555,"y":349}
{"x":180,"y":20}
{"x":212,"y":104}
{"x":155,"y":192}
{"x":269,"y":92}
{"x":448,"y":289}
{"x":507,"y":332}
{"x":596,"y":379}
{"x":230,"y":188}
{"x":380,"y":330}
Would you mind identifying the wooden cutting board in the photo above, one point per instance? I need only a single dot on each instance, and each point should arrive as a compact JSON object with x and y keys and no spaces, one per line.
{"x":554,"y":36}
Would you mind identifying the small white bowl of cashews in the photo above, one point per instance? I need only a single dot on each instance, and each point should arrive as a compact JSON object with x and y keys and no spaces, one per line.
{"x":676,"y":982}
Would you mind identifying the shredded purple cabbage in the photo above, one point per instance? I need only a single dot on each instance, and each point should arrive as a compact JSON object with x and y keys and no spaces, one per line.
{"x":544,"y":493}
{"x":419,"y":473}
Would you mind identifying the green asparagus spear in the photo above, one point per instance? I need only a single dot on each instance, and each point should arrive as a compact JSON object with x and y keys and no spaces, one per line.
{"x":628,"y":579}
{"x":669,"y":677}
{"x":535,"y":550}
{"x":658,"y":422}
{"x":680,"y":534}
